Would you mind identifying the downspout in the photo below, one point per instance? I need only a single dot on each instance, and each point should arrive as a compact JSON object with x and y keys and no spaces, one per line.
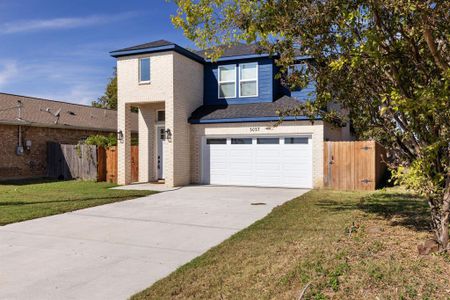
{"x":19,"y":150}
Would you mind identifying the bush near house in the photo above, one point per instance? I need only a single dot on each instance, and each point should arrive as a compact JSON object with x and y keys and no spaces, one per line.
{"x":343,"y":245}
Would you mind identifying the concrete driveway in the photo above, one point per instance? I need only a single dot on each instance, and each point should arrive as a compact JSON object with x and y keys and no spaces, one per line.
{"x":115,"y":250}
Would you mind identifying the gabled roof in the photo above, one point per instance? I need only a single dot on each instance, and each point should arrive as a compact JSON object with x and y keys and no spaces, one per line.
{"x":262,"y":111}
{"x":154,"y":47}
{"x":154,"y":44}
{"x":237,"y":50}
{"x":230,"y":52}
{"x":49,"y":113}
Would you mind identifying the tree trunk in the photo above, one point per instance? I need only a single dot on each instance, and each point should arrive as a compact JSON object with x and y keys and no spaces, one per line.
{"x":440,"y":215}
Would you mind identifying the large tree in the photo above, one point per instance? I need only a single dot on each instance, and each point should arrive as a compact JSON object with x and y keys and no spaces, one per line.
{"x":385,"y":61}
{"x":109,"y":99}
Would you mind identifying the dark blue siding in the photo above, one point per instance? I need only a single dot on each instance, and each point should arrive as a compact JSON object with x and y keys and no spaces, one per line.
{"x":307,"y":93}
{"x":265,"y":83}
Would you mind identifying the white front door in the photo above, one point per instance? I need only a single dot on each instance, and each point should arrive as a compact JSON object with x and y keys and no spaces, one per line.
{"x":275,"y":161}
{"x":161,"y":137}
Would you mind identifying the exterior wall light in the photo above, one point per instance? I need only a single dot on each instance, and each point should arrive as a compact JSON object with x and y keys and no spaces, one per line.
{"x":168,"y":134}
{"x":120,"y":136}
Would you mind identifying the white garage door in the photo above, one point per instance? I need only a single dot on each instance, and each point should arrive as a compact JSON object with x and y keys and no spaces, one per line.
{"x":284,"y":161}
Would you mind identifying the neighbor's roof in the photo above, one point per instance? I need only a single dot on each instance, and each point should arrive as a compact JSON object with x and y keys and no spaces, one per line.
{"x":250,"y":112}
{"x":49,"y":113}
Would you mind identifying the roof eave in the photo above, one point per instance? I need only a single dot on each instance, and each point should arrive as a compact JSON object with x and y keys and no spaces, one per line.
{"x":174,"y":47}
{"x":252,"y":119}
{"x":236,"y":57}
{"x":59,"y":126}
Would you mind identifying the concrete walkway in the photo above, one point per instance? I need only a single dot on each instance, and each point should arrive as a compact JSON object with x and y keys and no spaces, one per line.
{"x":115,"y":250}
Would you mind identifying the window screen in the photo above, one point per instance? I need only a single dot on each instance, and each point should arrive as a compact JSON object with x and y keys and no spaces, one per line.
{"x":238,"y":141}
{"x":144,"y":70}
{"x":268,"y":140}
{"x":216,"y":141}
{"x":227,"y":81}
{"x":248,"y":80}
{"x":296,"y":140}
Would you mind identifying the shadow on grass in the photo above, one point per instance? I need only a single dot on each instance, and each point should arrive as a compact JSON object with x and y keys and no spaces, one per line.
{"x":20,"y":182}
{"x":401,"y":209}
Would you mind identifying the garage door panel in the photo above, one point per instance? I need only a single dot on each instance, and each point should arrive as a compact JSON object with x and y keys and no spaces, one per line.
{"x":282,"y":165}
{"x":264,"y":167}
{"x":236,"y":170}
{"x":240,"y":155}
{"x":218,"y":165}
{"x":267,"y":155}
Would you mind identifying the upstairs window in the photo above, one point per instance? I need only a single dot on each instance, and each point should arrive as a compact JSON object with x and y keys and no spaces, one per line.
{"x":144,"y":70}
{"x":227,"y":81}
{"x":248,"y":80}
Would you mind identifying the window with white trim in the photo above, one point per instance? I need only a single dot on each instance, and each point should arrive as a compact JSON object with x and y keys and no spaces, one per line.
{"x":248,"y":80}
{"x":227,"y":81}
{"x":144,"y":70}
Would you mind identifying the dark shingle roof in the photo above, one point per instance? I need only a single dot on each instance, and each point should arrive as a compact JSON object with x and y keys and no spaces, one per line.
{"x":243,"y":111}
{"x":154,"y":44}
{"x":237,"y":49}
{"x":44,"y":113}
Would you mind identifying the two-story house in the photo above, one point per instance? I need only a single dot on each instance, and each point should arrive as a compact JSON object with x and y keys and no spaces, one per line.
{"x":212,"y":122}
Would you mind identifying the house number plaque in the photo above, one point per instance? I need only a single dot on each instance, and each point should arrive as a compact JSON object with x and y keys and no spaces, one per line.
{"x":254,"y":129}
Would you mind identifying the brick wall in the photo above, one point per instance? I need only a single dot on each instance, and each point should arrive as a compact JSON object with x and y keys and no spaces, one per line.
{"x":34,"y":162}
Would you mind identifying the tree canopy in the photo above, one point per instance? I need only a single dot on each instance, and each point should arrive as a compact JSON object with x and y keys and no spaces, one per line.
{"x":386,"y":62}
{"x":109,"y":99}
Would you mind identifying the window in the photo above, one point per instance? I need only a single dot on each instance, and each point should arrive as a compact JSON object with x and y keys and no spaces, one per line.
{"x":248,"y":80}
{"x":268,"y":140}
{"x":161,"y":116}
{"x":227,"y":81}
{"x":237,"y":141}
{"x":296,"y":140}
{"x":216,"y":141}
{"x":144,"y":70}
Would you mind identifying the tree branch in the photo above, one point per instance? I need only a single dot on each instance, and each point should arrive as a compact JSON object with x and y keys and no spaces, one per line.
{"x":428,"y":35}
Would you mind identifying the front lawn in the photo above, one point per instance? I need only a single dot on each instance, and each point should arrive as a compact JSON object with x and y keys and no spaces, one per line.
{"x":24,"y":200}
{"x":345,"y":245}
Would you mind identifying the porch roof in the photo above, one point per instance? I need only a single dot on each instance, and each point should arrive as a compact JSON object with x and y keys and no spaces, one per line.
{"x":250,"y":112}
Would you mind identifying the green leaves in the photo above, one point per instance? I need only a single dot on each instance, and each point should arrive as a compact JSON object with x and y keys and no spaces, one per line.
{"x":385,"y":62}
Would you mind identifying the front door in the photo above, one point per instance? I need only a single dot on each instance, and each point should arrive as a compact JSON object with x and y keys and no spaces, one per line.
{"x":160,"y":158}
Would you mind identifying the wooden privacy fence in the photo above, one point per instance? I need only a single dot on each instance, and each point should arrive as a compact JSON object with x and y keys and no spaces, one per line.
{"x":71,"y":161}
{"x":87,"y":162}
{"x":107,"y":162}
{"x":354,"y":165}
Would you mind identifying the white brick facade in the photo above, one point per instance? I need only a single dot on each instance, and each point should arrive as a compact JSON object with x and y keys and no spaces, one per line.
{"x":177,"y":87}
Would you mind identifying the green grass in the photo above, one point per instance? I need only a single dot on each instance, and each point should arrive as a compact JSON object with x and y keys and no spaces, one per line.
{"x":347,"y":245}
{"x":24,"y":200}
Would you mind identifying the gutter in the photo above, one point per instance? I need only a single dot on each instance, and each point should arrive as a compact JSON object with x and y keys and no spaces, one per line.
{"x":58,"y":126}
{"x":251,"y":119}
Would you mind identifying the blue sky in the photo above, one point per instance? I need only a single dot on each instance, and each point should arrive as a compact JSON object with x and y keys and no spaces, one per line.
{"x":59,"y":49}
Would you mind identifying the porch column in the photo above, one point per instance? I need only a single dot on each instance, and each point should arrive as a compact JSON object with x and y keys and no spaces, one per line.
{"x":124,"y":146}
{"x":146,"y":143}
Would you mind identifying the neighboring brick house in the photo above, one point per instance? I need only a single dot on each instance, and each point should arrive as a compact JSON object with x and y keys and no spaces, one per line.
{"x":212,"y":122}
{"x":32,"y":122}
